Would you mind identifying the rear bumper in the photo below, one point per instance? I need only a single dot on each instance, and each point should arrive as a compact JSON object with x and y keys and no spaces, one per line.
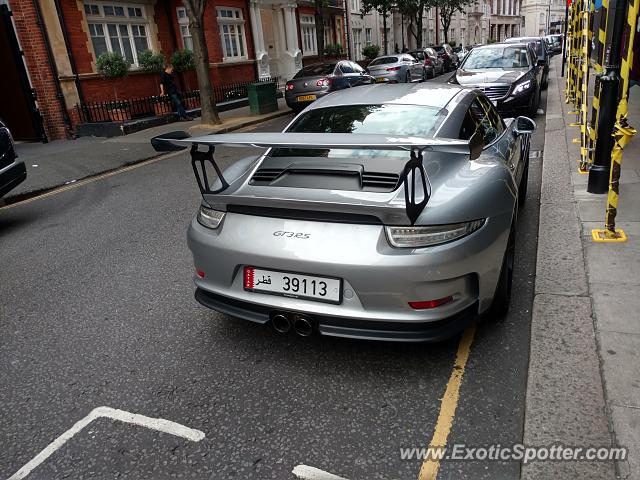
{"x":336,"y":326}
{"x":517,"y":104}
{"x":11,"y":176}
{"x":379,"y":281}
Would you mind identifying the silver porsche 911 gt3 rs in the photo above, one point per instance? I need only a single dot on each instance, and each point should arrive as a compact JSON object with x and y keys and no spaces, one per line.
{"x":386,"y":212}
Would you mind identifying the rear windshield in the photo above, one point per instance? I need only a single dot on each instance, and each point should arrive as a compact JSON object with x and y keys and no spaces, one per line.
{"x":315,"y":70}
{"x":497,"y":57}
{"x":386,"y":119}
{"x":439,"y":49}
{"x":384,"y":61}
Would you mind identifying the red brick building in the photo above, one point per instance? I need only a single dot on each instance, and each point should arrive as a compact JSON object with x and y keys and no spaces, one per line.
{"x":61,"y":39}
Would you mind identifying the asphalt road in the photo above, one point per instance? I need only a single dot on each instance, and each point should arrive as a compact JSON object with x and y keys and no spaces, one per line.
{"x":97,"y":309}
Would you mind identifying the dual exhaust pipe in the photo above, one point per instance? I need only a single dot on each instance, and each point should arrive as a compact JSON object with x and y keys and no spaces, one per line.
{"x":284,"y":322}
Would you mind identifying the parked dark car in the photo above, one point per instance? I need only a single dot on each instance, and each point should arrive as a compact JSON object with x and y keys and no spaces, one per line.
{"x":509,"y":74}
{"x":12,"y":171}
{"x":438,"y":63}
{"x":554,"y":44}
{"x":541,"y":52}
{"x":317,"y":80}
{"x":448,"y":56}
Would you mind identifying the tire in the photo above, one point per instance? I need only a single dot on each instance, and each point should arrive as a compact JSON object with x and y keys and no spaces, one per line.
{"x":425,"y":75}
{"x":533,"y":109}
{"x":502,"y":296}
{"x":407,"y":78}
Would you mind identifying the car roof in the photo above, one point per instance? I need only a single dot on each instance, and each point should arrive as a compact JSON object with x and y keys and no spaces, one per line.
{"x":523,"y":39}
{"x":502,"y":44}
{"x":424,"y":94}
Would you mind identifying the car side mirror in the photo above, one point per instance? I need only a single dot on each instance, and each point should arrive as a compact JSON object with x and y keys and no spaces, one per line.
{"x":162,"y":143}
{"x":524,"y":125}
{"x":476,"y":144}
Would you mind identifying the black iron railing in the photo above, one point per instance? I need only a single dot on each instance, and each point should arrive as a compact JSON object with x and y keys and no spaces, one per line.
{"x":133,"y":108}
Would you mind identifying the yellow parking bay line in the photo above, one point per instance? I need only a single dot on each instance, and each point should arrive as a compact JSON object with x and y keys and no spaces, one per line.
{"x":448,"y":405}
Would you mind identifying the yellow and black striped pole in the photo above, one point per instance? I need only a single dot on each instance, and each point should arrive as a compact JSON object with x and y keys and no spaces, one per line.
{"x":570,"y":90}
{"x":584,"y":85}
{"x":622,"y":134}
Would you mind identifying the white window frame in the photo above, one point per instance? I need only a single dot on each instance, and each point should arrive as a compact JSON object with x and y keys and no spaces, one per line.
{"x":368,"y":36}
{"x":309,"y":35}
{"x":240,"y":36}
{"x":357,"y":43}
{"x":129,"y":21}
{"x":185,"y":32}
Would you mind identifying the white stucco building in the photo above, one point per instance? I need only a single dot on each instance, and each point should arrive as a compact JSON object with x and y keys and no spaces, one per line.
{"x":542,"y":17}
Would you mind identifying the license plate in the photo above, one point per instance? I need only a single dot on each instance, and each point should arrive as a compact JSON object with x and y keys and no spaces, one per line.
{"x":306,"y":98}
{"x":380,"y":79}
{"x":295,"y":285}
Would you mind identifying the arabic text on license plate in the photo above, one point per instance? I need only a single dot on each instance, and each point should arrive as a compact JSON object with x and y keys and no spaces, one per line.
{"x":296,"y":285}
{"x":495,"y":103}
{"x":381,"y":79}
{"x":306,"y":98}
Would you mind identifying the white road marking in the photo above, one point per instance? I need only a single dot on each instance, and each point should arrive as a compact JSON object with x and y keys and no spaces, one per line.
{"x":159,"y":424}
{"x":305,"y":472}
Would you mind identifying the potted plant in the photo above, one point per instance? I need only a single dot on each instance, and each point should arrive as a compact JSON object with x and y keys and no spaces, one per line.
{"x":113,"y":66}
{"x":333,"y":50}
{"x":119,"y":111}
{"x":161,"y":105}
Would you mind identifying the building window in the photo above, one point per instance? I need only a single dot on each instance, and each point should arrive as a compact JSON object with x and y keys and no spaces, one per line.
{"x":309,"y":38}
{"x":328,"y":32}
{"x":355,"y":5}
{"x":357,"y":43}
{"x":117,"y":28}
{"x":368,"y":32}
{"x":185,"y":33}
{"x":234,"y":42}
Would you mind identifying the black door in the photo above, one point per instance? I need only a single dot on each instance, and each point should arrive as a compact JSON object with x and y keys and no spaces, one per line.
{"x":18,"y":107}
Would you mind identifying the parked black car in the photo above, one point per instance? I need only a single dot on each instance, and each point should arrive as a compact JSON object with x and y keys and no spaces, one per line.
{"x":317,"y":80}
{"x":541,"y":51}
{"x":509,"y":74}
{"x":12,"y":171}
{"x":432,"y":65}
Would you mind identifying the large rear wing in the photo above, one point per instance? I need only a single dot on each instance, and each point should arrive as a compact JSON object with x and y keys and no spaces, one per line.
{"x":413,"y":172}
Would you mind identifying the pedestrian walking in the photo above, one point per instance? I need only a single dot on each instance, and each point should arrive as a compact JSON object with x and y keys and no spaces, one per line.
{"x":168,"y":87}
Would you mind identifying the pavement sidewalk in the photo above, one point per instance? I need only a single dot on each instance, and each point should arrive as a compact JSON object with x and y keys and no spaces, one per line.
{"x":63,"y":161}
{"x":584,"y":382}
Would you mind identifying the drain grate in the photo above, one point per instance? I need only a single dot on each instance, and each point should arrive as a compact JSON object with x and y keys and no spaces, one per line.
{"x":535,"y":154}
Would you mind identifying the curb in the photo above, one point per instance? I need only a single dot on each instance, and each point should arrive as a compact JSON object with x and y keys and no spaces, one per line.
{"x":565,"y":403}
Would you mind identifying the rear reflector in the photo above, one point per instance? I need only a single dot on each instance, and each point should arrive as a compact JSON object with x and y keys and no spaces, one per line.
{"x":200,"y":273}
{"x":426,"y":304}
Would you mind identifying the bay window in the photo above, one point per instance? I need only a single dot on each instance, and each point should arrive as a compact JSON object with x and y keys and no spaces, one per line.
{"x":309,"y":39}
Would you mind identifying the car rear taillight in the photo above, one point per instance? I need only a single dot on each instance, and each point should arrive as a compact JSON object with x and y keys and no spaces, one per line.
{"x":289,"y":86}
{"x":323,"y":82}
{"x":426,"y":304}
{"x":427,"y":61}
{"x":392,"y":69}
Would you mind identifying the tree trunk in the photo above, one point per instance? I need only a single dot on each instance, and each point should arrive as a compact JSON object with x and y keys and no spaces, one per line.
{"x":419,"y":30}
{"x":319,"y":29}
{"x":195,"y":11}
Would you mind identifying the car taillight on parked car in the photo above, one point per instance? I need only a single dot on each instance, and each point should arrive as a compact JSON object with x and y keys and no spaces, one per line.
{"x":323,"y":82}
{"x":427,"y":61}
{"x":392,"y":69}
{"x":289,"y":86}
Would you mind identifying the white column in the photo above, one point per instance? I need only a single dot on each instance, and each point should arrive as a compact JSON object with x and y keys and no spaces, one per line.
{"x":262,"y":57}
{"x":293,"y":55}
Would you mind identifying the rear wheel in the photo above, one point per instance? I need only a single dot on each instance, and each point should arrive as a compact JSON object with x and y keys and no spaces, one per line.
{"x":425,"y":76}
{"x":407,"y":78}
{"x":533,"y":108}
{"x":502,"y":297}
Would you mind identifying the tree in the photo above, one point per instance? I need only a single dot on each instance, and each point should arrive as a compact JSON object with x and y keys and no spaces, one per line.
{"x":414,"y":10}
{"x":447,"y":9}
{"x":384,"y":8}
{"x":195,"y":12}
{"x":114,"y":66}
